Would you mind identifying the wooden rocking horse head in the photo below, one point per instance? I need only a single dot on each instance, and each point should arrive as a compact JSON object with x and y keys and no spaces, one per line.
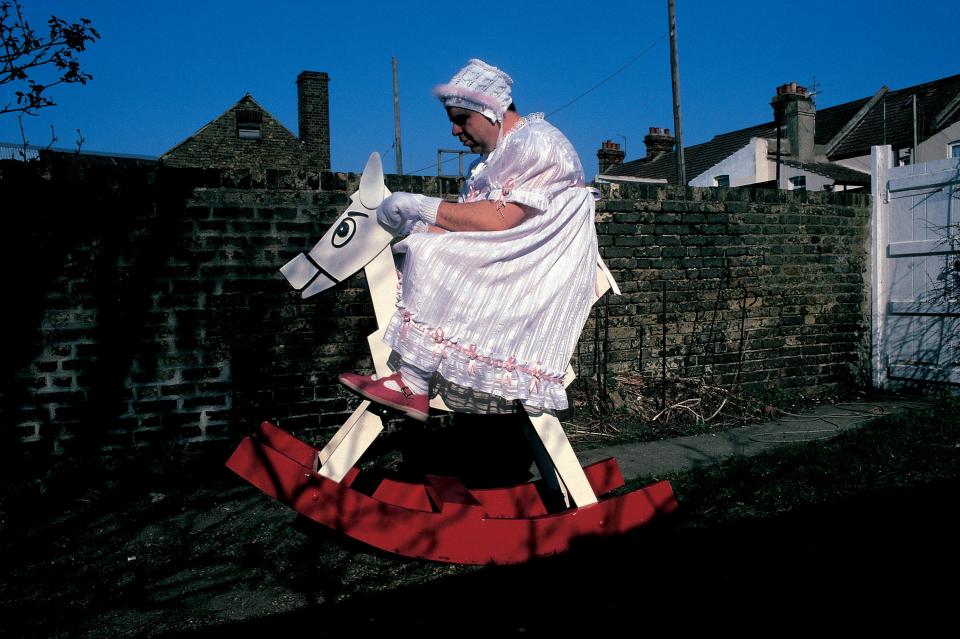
{"x":350,"y":243}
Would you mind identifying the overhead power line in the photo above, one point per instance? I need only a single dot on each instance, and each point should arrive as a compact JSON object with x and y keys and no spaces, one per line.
{"x":612,"y":75}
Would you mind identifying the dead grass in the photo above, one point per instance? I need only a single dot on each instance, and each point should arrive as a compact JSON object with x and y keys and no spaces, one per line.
{"x":636,"y":408}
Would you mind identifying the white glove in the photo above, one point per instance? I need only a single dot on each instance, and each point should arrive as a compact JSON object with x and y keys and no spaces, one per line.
{"x":414,"y":227}
{"x":400,"y":210}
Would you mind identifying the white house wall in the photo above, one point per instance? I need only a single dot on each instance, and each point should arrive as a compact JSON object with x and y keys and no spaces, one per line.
{"x":741,"y":166}
{"x":815,"y":181}
{"x":935,"y":147}
{"x":766,"y":170}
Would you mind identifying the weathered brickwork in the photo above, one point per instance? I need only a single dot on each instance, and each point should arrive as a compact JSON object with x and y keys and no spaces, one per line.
{"x":762,"y":288}
{"x":218,"y":145}
{"x":150,"y":309}
{"x":313,"y":108}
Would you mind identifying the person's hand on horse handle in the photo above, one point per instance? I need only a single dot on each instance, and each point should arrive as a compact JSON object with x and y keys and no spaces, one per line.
{"x":400,"y":211}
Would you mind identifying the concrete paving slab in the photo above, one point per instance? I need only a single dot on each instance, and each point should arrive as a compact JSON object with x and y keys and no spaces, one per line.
{"x":684,"y":453}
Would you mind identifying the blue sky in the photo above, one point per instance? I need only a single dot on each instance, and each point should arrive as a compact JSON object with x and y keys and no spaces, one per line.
{"x":163,"y":70}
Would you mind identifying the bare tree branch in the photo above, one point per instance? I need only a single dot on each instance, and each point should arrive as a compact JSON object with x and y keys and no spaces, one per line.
{"x":24,"y":53}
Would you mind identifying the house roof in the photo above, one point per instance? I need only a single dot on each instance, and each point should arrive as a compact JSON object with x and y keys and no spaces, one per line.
{"x":889,"y":121}
{"x":20,"y":152}
{"x":207,"y":134}
{"x":836,"y":172}
{"x":16,"y":151}
{"x":698,"y":158}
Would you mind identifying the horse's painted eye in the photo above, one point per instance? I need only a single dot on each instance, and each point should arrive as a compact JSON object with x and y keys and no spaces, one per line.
{"x":344,"y":232}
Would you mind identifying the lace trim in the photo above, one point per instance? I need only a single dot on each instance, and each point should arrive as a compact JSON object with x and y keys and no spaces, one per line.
{"x":473,"y":194}
{"x":538,"y":376}
{"x":523,"y":121}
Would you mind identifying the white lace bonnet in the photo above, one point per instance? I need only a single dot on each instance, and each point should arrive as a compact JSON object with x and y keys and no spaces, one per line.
{"x":478,"y":87}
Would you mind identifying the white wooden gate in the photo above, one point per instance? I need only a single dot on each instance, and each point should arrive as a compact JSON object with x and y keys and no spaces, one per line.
{"x":916,"y":271}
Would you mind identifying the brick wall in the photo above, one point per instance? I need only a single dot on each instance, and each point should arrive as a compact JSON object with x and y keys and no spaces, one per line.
{"x":147,"y":307}
{"x":763,"y":288}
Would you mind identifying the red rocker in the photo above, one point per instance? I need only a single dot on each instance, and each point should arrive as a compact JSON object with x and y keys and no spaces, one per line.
{"x":439,"y":519}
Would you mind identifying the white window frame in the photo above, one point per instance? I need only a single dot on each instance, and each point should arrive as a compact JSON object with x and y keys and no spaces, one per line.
{"x":249,"y":124}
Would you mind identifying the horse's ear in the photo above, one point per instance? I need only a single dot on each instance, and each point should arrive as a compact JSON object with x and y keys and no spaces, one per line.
{"x":372,"y":189}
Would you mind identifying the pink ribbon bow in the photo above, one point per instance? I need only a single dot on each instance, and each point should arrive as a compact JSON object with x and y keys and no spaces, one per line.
{"x":504,"y":194}
{"x":472,"y":354}
{"x":472,"y":192}
{"x":508,"y":366}
{"x":438,"y":339}
{"x":535,"y":375}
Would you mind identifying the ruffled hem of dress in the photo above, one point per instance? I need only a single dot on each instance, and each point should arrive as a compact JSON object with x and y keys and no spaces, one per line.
{"x":465,"y":367}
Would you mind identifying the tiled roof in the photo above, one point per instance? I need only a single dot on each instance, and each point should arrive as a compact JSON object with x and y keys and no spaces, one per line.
{"x":890,"y":121}
{"x":836,"y":172}
{"x":895,"y":129}
{"x":831,"y":119}
{"x":698,"y":158}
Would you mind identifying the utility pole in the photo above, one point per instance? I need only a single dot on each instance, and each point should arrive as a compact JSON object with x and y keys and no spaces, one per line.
{"x":675,"y":77}
{"x":778,"y":107}
{"x":913,"y":151}
{"x":396,"y":117}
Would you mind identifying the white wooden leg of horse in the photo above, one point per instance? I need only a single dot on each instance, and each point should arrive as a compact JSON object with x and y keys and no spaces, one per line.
{"x":362,"y":427}
{"x":352,"y":440}
{"x":562,"y":459}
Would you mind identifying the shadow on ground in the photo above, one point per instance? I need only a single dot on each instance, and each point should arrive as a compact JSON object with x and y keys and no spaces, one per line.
{"x":221,"y":560}
{"x":891,"y":547}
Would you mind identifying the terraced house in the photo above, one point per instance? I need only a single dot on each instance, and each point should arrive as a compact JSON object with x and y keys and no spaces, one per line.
{"x":802,"y":147}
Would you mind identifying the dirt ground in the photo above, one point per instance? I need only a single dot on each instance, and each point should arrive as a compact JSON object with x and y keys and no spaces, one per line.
{"x":220,"y":558}
{"x":191,"y":550}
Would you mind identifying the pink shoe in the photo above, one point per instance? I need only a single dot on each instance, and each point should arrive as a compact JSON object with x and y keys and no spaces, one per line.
{"x":376,"y":390}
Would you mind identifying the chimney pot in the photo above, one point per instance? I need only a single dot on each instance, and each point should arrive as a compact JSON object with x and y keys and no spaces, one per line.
{"x":609,"y":155}
{"x":658,"y":141}
{"x":794,"y":109}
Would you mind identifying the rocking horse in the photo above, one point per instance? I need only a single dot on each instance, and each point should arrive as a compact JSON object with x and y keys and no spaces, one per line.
{"x":438,"y":518}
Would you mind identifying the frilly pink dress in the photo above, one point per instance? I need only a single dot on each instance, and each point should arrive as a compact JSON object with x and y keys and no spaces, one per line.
{"x":499,"y":313}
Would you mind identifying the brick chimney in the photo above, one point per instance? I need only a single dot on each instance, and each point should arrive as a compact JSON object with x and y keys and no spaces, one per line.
{"x":609,"y":155}
{"x":799,"y":117}
{"x":313,"y":105}
{"x":658,"y":141}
